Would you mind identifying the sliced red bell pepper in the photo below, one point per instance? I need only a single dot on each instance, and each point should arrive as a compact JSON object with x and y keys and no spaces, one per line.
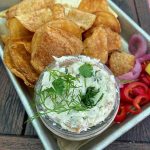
{"x":145,"y":78}
{"x":139,"y":101}
{"x":122,"y":95}
{"x":134,"y":89}
{"x":132,"y":109}
{"x":144,"y":64}
{"x":121,"y":115}
{"x":149,"y":93}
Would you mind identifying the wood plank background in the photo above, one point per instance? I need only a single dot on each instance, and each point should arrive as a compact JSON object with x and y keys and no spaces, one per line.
{"x":16,"y":135}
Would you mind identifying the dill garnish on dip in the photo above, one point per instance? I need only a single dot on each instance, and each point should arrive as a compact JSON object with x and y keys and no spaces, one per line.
{"x":76,"y":95}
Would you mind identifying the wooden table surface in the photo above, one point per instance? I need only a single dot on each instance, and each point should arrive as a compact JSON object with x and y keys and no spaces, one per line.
{"x":17,"y":135}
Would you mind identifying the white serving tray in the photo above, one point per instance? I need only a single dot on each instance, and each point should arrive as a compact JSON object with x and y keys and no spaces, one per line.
{"x":129,"y":27}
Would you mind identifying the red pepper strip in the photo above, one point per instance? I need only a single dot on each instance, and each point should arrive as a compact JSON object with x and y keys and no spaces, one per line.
{"x":144,"y":64}
{"x":121,"y":116}
{"x":122,"y":96}
{"x":132,"y":109}
{"x":129,"y":92}
{"x":138,"y":91}
{"x":149,"y":93}
{"x":145,"y":78}
{"x":142,"y":100}
{"x":137,"y":103}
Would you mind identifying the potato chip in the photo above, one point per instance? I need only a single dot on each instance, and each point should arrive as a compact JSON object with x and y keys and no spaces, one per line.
{"x":32,"y":21}
{"x":66,"y":25}
{"x":58,"y":11}
{"x":96,"y":45}
{"x":17,"y":30}
{"x":92,"y":6}
{"x":18,"y":61}
{"x":26,"y":44}
{"x":82,"y":19}
{"x":28,"y":6}
{"x":106,"y":19}
{"x":89,"y":32}
{"x":9,"y":63}
{"x":121,"y":63}
{"x":11,"y":12}
{"x":21,"y":59}
{"x":4,"y":38}
{"x":48,"y":42}
{"x":113,"y":40}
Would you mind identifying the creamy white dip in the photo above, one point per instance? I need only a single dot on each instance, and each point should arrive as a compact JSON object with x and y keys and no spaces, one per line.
{"x":77,"y":121}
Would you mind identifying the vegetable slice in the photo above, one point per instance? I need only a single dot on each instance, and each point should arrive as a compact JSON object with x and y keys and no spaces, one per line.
{"x":130,"y":92}
{"x":141,"y":100}
{"x":147,"y":69}
{"x":145,"y":78}
{"x":133,"y":109}
{"x":137,"y":45}
{"x":121,"y":116}
{"x":146,"y":57}
{"x":137,"y":103}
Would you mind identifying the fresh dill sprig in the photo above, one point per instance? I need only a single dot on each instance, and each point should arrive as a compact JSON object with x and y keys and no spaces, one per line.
{"x":88,"y":98}
{"x":63,"y":87}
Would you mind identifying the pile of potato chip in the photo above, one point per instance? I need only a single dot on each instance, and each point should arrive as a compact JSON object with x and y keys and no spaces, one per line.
{"x":41,"y":29}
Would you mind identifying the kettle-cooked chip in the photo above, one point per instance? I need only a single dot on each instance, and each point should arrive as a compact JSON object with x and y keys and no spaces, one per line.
{"x":82,"y":19}
{"x":58,"y":11}
{"x":9,"y":63}
{"x":96,"y":45}
{"x":121,"y":63}
{"x":107,"y":19}
{"x":113,"y":40}
{"x":48,"y":42}
{"x":28,"y":6}
{"x":4,"y":38}
{"x":21,"y":59}
{"x":17,"y":30}
{"x":26,"y":44}
{"x":93,"y":5}
{"x":66,"y":25}
{"x":32,"y":21}
{"x":18,"y":61}
{"x":89,"y":32}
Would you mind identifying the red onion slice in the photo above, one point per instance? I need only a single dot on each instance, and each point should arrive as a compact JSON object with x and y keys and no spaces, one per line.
{"x":144,"y":58}
{"x":134,"y":74}
{"x":137,"y":45}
